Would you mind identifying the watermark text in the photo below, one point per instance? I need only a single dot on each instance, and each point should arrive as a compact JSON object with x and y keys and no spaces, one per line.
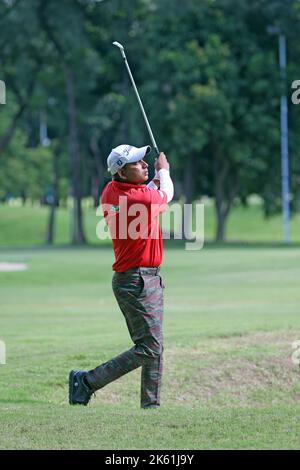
{"x":2,"y":352}
{"x":2,"y":92}
{"x":296,"y":353}
{"x":137,"y":221}
{"x":296,"y":94}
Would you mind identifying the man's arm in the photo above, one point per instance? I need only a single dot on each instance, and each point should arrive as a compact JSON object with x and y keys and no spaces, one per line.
{"x":155,"y":183}
{"x":162,"y":167}
{"x":162,"y":180}
{"x":166,"y":183}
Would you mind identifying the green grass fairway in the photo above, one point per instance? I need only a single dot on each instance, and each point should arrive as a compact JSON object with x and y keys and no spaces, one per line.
{"x":231,"y":316}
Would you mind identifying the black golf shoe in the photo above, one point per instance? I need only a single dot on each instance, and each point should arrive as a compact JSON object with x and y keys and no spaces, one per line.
{"x":79,"y":392}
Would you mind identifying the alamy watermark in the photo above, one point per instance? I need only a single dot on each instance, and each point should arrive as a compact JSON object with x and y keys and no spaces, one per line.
{"x":296,"y":94}
{"x":179,"y":222}
{"x":2,"y":92}
{"x":2,"y":352}
{"x":296,"y":353}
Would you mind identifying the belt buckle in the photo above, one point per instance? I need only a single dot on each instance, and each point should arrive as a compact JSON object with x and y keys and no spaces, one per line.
{"x":149,"y":270}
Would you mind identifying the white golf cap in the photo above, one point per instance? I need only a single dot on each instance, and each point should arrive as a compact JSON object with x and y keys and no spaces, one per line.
{"x":124,"y":154}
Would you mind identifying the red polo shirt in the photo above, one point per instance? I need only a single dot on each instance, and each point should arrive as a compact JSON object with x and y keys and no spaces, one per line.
{"x":131,"y":212}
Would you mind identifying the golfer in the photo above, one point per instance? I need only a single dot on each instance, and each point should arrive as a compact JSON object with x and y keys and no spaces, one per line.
{"x":136,"y":283}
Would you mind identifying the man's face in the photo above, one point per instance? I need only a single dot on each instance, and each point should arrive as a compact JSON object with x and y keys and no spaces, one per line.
{"x":135,"y":173}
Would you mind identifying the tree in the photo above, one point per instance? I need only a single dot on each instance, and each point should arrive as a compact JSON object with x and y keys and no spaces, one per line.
{"x":67,"y":54}
{"x":220,"y":82}
{"x":20,"y":61}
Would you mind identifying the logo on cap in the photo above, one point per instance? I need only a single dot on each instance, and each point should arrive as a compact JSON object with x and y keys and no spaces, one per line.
{"x":119,"y":162}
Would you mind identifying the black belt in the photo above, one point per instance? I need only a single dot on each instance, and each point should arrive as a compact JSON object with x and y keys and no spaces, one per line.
{"x":145,"y":270}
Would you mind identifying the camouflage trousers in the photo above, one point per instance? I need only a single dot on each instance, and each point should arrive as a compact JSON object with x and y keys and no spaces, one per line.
{"x":139,"y":293}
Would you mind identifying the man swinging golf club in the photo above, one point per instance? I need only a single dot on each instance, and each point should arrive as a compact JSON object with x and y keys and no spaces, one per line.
{"x":137,"y":284}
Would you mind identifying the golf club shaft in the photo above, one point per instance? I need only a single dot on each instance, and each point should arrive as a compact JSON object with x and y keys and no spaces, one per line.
{"x":140,"y":103}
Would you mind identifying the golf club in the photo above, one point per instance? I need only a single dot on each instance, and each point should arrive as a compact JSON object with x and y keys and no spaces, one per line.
{"x":117,"y":44}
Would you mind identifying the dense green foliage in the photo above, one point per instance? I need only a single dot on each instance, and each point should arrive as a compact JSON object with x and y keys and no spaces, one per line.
{"x":208,"y":75}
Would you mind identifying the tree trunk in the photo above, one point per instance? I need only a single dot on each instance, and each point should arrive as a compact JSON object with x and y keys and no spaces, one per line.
{"x":52,"y":210}
{"x":6,"y":138}
{"x":220,"y":226}
{"x":23,"y":197}
{"x":97,"y":180}
{"x":78,"y":237}
{"x":225,"y":189}
{"x":50,"y":226}
{"x":95,"y":191}
{"x":221,"y":170}
{"x":22,"y":100}
{"x":76,"y":223}
{"x":220,"y":207}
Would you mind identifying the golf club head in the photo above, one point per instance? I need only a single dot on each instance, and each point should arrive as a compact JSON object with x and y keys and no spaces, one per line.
{"x":118,"y":45}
